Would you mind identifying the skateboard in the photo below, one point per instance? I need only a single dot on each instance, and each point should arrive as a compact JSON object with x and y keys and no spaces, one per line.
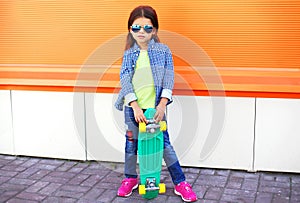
{"x":150,"y":154}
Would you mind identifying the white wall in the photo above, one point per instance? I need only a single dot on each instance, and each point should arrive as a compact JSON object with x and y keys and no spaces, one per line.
{"x":277,"y":135}
{"x":105,"y":128}
{"x":49,"y":124}
{"x":217,"y":132}
{"x":225,"y":123}
{"x":213,"y":131}
{"x":6,"y":131}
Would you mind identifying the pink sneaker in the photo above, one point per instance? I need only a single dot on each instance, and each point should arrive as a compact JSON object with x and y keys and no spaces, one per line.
{"x":127,"y":186}
{"x":185,"y":191}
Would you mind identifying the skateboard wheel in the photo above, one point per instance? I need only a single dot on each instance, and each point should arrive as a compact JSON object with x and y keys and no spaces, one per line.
{"x":142,"y":127}
{"x":163,"y":126}
{"x":142,"y":189}
{"x":162,"y":188}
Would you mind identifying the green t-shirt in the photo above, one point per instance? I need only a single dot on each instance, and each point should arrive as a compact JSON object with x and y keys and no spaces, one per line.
{"x":143,"y":83}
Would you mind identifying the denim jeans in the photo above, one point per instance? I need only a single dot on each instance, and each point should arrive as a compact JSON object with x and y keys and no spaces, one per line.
{"x":131,"y":147}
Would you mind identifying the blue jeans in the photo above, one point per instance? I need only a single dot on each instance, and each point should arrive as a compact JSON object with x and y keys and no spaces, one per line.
{"x":131,"y":147}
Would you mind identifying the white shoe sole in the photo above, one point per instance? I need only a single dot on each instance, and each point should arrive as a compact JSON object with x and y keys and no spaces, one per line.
{"x":177,"y":193}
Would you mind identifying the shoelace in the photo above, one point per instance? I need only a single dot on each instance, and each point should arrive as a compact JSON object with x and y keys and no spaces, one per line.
{"x":125,"y":182}
{"x":187,"y":187}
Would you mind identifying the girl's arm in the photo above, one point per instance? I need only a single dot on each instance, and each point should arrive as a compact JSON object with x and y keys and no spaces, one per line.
{"x":168,"y":84}
{"x":126,"y":75}
{"x":138,"y":112}
{"x":168,"y":81}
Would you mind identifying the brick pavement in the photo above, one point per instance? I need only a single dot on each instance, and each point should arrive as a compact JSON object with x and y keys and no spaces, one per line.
{"x":27,"y":179}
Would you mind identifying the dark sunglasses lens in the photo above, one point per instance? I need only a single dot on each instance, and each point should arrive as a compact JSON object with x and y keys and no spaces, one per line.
{"x":135,"y":28}
{"x":148,"y":28}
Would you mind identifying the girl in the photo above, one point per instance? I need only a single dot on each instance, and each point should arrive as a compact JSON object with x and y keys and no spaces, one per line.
{"x":147,"y":79}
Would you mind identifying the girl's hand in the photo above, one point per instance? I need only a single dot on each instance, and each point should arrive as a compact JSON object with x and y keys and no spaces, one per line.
{"x":160,"y":109}
{"x":138,"y":113}
{"x":160,"y":112}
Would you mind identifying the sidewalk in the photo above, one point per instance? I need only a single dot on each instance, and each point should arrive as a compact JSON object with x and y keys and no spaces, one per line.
{"x":26,"y":179}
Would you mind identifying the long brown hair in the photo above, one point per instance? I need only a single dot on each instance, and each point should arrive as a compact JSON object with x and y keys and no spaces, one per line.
{"x":138,"y":12}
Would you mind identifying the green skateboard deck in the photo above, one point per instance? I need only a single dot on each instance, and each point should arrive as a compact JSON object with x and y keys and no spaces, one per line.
{"x":150,"y":154}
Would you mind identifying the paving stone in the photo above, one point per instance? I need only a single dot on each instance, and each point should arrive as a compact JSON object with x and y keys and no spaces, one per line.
{"x":127,"y":200}
{"x":295,"y":189}
{"x":207,"y":171}
{"x":214,"y":193}
{"x":92,"y":195}
{"x":75,"y":188}
{"x":9,"y":194}
{"x":67,"y":166}
{"x":235,"y":183}
{"x":92,"y":180}
{"x":8,"y":173}
{"x":37,"y":186}
{"x":50,"y":189}
{"x":275,"y":190}
{"x":244,"y":193}
{"x":107,"y":196}
{"x":211,"y":180}
{"x":26,"y":179}
{"x":8,"y":157}
{"x":12,"y":187}
{"x":68,"y":194}
{"x":190,"y":170}
{"x":31,"y":196}
{"x":275,"y":184}
{"x":40,"y":174}
{"x":200,"y":190}
{"x":106,"y":185}
{"x":264,"y":197}
{"x":59,"y":174}
{"x":46,"y":166}
{"x":53,"y":179}
{"x":295,"y":198}
{"x":76,"y":169}
{"x":250,"y":184}
{"x":210,"y":201}
{"x":234,"y":198}
{"x":296,"y":179}
{"x":59,"y":199}
{"x":27,"y":173}
{"x":280,"y":199}
{"x":30,"y":162}
{"x":13,"y":168}
{"x":54,"y":162}
{"x":91,"y":171}
{"x":21,"y":181}
{"x":283,"y":178}
{"x":245,"y":175}
{"x":3,"y":179}
{"x":78,"y":179}
{"x":222,"y":172}
{"x":173,"y":199}
{"x":17,"y":200}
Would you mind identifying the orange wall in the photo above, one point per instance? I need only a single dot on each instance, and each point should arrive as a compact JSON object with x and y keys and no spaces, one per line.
{"x":234,"y":33}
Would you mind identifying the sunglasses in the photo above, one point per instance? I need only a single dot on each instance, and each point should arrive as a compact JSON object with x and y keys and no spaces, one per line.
{"x":137,"y":28}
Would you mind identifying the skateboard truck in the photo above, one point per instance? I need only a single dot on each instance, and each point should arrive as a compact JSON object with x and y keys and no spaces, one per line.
{"x":152,"y":126}
{"x":150,"y":184}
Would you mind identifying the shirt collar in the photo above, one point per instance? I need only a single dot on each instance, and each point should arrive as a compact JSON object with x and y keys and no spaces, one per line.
{"x":136,"y":47}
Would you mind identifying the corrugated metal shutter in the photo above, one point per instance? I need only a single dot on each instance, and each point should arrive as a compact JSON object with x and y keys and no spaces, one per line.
{"x":234,"y":33}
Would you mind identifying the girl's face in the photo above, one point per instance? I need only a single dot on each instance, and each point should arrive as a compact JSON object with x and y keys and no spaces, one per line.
{"x":142,"y":35}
